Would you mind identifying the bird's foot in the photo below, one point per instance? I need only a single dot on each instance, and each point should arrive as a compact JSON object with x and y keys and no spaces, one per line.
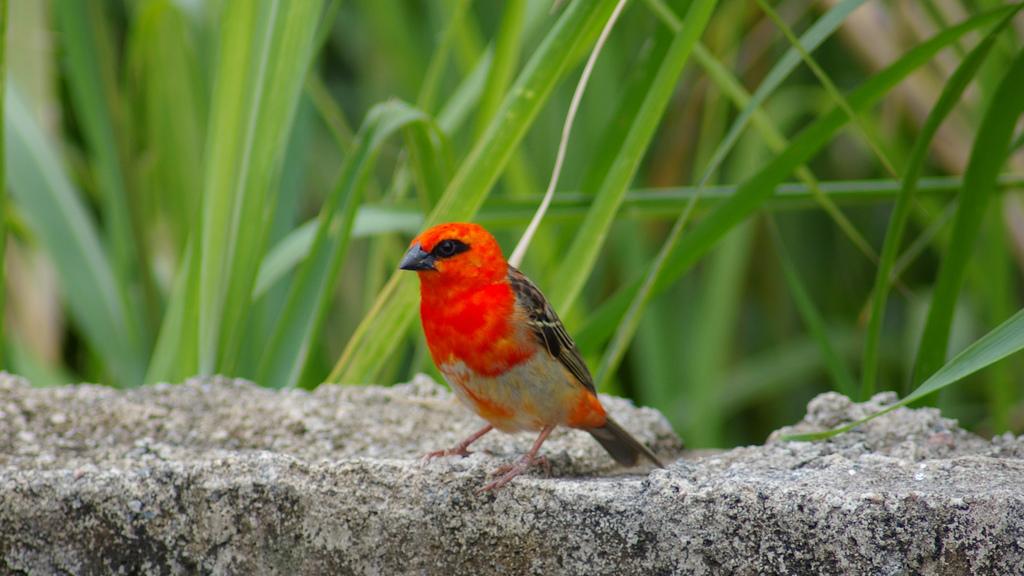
{"x":459,"y":450}
{"x":507,"y":472}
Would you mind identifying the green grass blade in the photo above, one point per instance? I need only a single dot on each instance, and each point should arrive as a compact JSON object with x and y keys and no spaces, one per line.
{"x":837,"y":369}
{"x":815,"y":35}
{"x":751,"y":111}
{"x":171,"y":114}
{"x":707,"y":340}
{"x":506,"y":57}
{"x":37,"y":371}
{"x":1004,"y":340}
{"x":654,"y":357}
{"x":3,"y":179}
{"x":499,"y":212}
{"x":461,"y":102}
{"x":429,"y":158}
{"x":579,"y":25}
{"x":394,"y":310}
{"x":991,"y":147}
{"x":634,"y":91}
{"x":668,"y":202}
{"x":97,"y":100}
{"x":992,"y":278}
{"x":589,"y":239}
{"x":435,"y":69}
{"x":176,"y":356}
{"x":284,"y":256}
{"x":306,"y":309}
{"x":294,"y":248}
{"x":665,"y":203}
{"x":752,"y":194}
{"x":781,"y":369}
{"x":402,"y":53}
{"x":56,"y":215}
{"x":949,"y":98}
{"x":291,"y":194}
{"x":731,"y":86}
{"x":330,"y":113}
{"x":630,"y":320}
{"x":829,"y":86}
{"x":265,"y":50}
{"x":171,"y":95}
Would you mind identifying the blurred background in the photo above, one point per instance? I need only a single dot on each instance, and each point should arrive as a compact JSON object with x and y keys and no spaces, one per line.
{"x":227,"y":187}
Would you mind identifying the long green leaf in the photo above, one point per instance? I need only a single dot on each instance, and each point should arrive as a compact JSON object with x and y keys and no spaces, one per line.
{"x":175,"y":356}
{"x":306,"y":309}
{"x":669,"y":201}
{"x":991,"y":147}
{"x":45,"y":196}
{"x":773,"y":137}
{"x":992,"y":278}
{"x":755,"y":191}
{"x":587,"y":243}
{"x":171,"y":115}
{"x":499,"y":212}
{"x":1004,"y":340}
{"x":829,"y":86}
{"x":815,"y":35}
{"x":428,"y":157}
{"x":781,"y":369}
{"x":633,"y":92}
{"x":394,"y":310}
{"x":3,"y":177}
{"x":40,"y":373}
{"x":97,"y":102}
{"x":265,"y":50}
{"x":294,"y":248}
{"x":837,"y":368}
{"x":506,"y":57}
{"x":949,"y":98}
{"x":390,"y":22}
{"x":171,"y":95}
{"x":751,"y":110}
{"x":627,"y":325}
{"x":436,"y":67}
{"x":460,"y":104}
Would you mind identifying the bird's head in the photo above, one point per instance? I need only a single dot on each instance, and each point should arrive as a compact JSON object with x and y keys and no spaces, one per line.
{"x":456,"y":254}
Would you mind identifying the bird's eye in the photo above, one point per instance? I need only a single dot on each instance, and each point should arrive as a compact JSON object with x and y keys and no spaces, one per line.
{"x":448,"y":248}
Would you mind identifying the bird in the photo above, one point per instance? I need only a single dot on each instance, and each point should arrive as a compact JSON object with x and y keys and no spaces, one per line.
{"x":503,"y":350}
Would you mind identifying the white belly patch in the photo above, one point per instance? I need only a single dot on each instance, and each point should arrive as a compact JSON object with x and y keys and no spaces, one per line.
{"x":529,"y":396}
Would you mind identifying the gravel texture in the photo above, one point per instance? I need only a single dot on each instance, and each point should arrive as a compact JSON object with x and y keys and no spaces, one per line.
{"x":221,"y":476}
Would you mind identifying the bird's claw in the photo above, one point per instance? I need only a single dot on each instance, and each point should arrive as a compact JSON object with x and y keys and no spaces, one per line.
{"x":507,"y":472}
{"x":460,"y":451}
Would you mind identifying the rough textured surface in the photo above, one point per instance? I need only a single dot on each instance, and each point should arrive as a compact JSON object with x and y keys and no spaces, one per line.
{"x":225,"y":477}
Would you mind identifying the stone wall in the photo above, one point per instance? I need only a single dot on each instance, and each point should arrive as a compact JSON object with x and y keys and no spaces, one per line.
{"x":221,"y":476}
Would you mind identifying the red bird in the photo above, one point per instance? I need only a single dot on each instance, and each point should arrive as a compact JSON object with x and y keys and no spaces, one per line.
{"x":502,"y":348}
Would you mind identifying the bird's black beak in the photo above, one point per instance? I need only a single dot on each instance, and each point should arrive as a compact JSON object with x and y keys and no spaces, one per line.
{"x":417,"y":259}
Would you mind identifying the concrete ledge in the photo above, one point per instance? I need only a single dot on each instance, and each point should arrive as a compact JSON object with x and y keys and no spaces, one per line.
{"x":221,"y":476}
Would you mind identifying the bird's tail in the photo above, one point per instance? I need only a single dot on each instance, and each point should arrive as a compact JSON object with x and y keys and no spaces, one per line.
{"x":625,"y":449}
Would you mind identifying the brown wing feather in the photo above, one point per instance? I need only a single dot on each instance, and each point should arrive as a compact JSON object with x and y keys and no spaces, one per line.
{"x":548,"y":328}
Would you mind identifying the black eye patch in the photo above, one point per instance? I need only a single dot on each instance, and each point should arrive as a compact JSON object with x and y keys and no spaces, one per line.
{"x":448,"y":248}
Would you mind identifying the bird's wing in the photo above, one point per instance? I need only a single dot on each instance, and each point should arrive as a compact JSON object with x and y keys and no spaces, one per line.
{"x":548,"y":328}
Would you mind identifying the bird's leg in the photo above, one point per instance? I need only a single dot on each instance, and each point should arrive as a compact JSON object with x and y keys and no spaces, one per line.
{"x":460,"y":449}
{"x":508,"y":472}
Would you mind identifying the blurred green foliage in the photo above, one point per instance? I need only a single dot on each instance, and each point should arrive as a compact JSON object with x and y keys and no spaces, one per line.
{"x":758,"y":204}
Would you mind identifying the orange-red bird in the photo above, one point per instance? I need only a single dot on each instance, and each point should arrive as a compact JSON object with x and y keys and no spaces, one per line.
{"x":502,"y":348}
